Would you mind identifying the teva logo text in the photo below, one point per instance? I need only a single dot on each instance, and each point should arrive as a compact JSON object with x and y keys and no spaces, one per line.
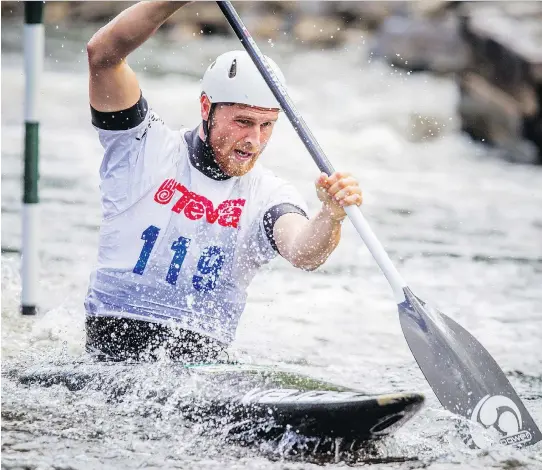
{"x":195,"y":206}
{"x":503,"y":414}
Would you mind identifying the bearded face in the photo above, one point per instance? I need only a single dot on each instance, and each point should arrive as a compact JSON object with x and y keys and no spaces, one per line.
{"x":239,"y":134}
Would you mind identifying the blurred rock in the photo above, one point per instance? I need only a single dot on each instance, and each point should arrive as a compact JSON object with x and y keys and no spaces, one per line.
{"x":501,"y":90}
{"x":421,"y":43}
{"x":12,"y":11}
{"x":268,"y":27}
{"x":264,"y":19}
{"x":100,"y":12}
{"x":490,"y":115}
{"x":56,"y":12}
{"x":428,"y":8}
{"x":368,"y":15}
{"x":319,"y":30}
{"x":202,"y":16}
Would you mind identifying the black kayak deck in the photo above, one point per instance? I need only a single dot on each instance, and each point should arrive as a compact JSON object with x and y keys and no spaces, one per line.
{"x":256,"y":401}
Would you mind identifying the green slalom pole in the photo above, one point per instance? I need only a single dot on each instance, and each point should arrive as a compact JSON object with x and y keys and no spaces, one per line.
{"x":33,"y":63}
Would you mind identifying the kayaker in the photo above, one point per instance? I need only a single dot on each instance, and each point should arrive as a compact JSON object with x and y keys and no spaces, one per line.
{"x":189,"y":215}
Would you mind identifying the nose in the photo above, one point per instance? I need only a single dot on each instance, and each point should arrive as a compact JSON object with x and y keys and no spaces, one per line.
{"x":253,"y":137}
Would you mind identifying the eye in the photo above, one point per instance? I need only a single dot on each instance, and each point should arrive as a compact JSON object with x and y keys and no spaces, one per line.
{"x":243,"y":122}
{"x":267,"y":124}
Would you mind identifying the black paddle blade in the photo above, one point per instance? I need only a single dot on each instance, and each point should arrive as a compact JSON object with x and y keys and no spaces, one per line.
{"x":465,"y":378}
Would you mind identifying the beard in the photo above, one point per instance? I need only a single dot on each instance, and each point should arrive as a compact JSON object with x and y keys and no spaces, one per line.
{"x":231,"y":166}
{"x":227,"y":161}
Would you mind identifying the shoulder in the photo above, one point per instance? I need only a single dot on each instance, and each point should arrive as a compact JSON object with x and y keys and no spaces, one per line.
{"x":268,"y":189}
{"x":264,"y":180}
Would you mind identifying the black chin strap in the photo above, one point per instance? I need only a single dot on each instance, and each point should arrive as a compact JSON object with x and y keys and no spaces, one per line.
{"x":202,"y":155}
{"x":206,"y":127}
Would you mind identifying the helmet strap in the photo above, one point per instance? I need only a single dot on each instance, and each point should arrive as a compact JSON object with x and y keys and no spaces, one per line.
{"x":204,"y":155}
{"x":207,"y":124}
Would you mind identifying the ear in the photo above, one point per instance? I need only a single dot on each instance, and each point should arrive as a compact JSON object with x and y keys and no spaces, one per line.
{"x":205,"y":107}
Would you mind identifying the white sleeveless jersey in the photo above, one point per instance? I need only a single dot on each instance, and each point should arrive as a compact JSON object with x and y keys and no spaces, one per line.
{"x":176,"y":245}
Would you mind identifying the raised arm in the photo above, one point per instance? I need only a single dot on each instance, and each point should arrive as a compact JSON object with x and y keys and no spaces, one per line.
{"x":113,"y":85}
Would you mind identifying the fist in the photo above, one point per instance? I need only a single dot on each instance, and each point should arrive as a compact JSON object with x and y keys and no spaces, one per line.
{"x":338,"y":191}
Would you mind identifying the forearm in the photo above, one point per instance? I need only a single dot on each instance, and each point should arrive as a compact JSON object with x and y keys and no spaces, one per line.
{"x":126,"y":32}
{"x":315,"y":241}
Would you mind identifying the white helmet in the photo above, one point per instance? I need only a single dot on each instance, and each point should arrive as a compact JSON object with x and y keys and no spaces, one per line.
{"x":233,"y":78}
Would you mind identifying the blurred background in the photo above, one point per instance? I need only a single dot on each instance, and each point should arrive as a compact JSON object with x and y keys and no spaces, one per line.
{"x":493,"y":49}
{"x":435,"y":106}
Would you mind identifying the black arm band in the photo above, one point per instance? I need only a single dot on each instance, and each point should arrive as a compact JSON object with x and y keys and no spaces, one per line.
{"x":273,"y":214}
{"x":120,"y":120}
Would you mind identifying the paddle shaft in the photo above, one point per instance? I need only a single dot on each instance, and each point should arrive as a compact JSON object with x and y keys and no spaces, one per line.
{"x":376,"y":249}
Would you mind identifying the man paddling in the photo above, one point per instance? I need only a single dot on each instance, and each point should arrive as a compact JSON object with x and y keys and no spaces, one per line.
{"x":189,"y":216}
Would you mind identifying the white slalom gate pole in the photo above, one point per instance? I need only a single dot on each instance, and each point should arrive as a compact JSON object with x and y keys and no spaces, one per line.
{"x":33,"y":63}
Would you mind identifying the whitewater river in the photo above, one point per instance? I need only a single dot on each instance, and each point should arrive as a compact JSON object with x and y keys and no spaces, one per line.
{"x":464,"y":228}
